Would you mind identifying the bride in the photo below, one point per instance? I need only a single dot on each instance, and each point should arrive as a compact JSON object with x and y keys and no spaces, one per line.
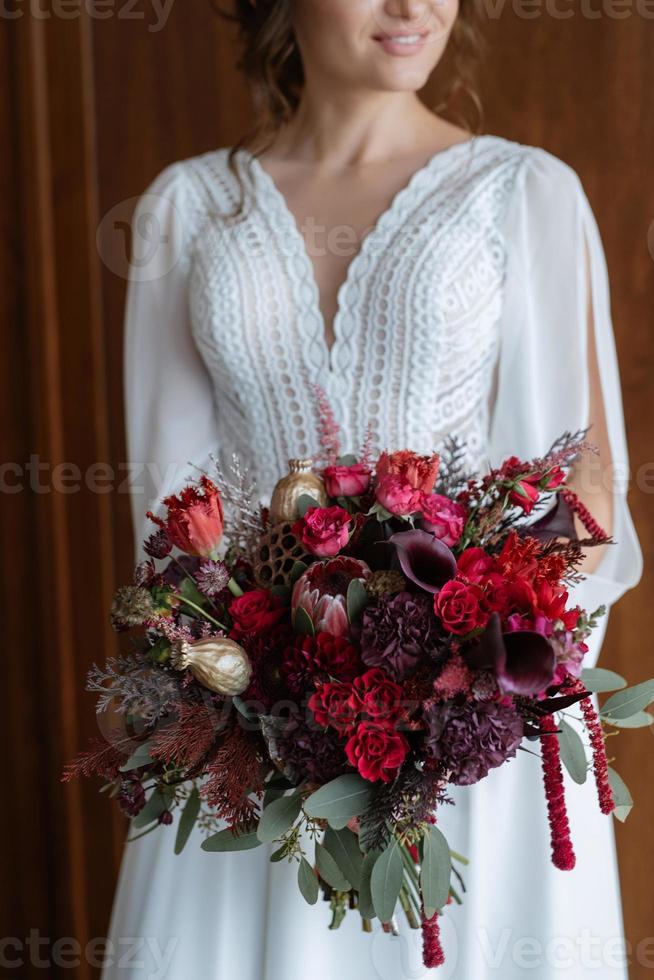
{"x":433,"y":283}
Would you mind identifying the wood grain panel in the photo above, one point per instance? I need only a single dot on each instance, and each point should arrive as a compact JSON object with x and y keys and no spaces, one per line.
{"x":95,"y":109}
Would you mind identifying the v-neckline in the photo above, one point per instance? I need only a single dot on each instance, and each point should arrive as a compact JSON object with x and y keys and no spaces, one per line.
{"x":329,"y":351}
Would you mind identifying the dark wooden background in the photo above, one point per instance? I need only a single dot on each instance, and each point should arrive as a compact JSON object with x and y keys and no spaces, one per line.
{"x":90,"y":111}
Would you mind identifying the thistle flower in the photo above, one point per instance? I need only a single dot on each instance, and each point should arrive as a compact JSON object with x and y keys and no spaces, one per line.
{"x":212,"y":577}
{"x":131,"y":606}
{"x":144,"y":573}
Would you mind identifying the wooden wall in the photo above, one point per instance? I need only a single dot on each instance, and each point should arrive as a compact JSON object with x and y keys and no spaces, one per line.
{"x":90,"y":110}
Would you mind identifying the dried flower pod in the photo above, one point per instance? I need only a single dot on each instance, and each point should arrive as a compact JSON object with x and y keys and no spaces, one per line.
{"x":385,"y":583}
{"x":219,"y":664}
{"x":277,"y":552}
{"x":301,"y":480}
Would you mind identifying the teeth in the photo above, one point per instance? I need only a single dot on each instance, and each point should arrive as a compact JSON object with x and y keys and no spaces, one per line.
{"x":406,"y":39}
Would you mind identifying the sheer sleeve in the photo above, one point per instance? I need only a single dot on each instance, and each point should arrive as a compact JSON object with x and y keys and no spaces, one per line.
{"x":556,"y":272}
{"x":171,"y":418}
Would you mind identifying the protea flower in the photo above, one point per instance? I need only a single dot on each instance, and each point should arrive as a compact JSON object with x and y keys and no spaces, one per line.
{"x":322,"y":592}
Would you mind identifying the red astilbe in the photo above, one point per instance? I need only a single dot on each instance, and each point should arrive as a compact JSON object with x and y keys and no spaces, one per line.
{"x":234,"y":772}
{"x":563,"y":856}
{"x":596,"y":532}
{"x":329,"y":434}
{"x":100,"y":759}
{"x":186,"y":738}
{"x":432,"y":950}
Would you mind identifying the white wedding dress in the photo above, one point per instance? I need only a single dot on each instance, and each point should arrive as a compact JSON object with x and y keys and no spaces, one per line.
{"x":464,"y":312}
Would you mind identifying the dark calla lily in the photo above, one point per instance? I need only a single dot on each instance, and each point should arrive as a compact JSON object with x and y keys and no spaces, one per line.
{"x":524,"y":661}
{"x":425,"y":560}
{"x":558,"y":522}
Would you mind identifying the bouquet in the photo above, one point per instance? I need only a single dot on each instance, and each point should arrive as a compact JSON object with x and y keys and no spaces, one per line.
{"x":320,"y":674}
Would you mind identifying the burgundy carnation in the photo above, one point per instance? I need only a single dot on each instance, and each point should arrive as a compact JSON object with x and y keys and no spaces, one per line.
{"x":323,"y":655}
{"x":310,"y":752}
{"x":472,"y":738}
{"x":396,"y":631}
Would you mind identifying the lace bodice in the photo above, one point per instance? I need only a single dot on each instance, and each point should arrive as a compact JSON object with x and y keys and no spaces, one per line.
{"x":465,"y":312}
{"x":417,"y":327}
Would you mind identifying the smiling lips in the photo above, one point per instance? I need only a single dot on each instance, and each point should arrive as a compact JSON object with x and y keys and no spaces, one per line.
{"x":402,"y":44}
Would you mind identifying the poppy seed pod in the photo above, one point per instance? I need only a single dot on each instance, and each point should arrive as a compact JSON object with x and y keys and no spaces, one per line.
{"x":217,"y":663}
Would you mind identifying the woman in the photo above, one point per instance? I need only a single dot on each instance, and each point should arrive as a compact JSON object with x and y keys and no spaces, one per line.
{"x":432,"y":283}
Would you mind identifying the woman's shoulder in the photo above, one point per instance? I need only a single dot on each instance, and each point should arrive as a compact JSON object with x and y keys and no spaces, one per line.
{"x":202,"y":183}
{"x":536,"y":167}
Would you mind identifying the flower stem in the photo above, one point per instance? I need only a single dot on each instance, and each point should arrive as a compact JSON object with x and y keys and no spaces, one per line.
{"x":203,"y":612}
{"x":234,"y":588}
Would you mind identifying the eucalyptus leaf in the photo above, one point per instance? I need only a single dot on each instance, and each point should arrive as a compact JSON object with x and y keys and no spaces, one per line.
{"x":279,"y":854}
{"x":187,"y":820}
{"x":599,"y":680}
{"x":357,"y":599}
{"x":386,"y":881}
{"x":304,"y":502}
{"x":343,"y":845}
{"x":302,"y":622}
{"x":307,"y":880}
{"x":189,"y":590}
{"x":346,"y":796}
{"x":623,"y":801}
{"x":225,"y":840}
{"x":643,"y":719}
{"x":573,"y":753}
{"x":152,"y":810}
{"x":435,"y":871}
{"x":366,"y":908}
{"x":329,"y":870}
{"x":298,"y":569}
{"x":278,"y":817}
{"x":140,"y":757}
{"x":629,"y":702}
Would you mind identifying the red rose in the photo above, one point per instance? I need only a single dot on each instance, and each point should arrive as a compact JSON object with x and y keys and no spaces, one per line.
{"x":376,"y":750}
{"x":443,"y":517}
{"x":397,"y":496}
{"x":419,"y":472}
{"x":459,"y":607}
{"x":324,"y":531}
{"x":475,"y":565}
{"x":377,"y":696}
{"x":331,"y":705}
{"x":255,"y":612}
{"x":346,"y":481}
{"x":195,"y":519}
{"x":525,"y":495}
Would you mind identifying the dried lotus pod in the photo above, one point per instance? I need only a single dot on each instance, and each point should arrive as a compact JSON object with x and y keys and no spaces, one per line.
{"x":277,"y":552}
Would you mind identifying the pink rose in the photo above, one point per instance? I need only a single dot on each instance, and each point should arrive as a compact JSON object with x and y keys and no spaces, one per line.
{"x":420,"y":472}
{"x":346,"y":481}
{"x":459,"y":607}
{"x":324,"y":531}
{"x":443,"y":517}
{"x":397,"y":496}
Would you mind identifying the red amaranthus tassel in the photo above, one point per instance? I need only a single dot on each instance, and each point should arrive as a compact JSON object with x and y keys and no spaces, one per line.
{"x":600,"y":762}
{"x":598,"y":745}
{"x":432,"y":951}
{"x":563,"y":856}
{"x":596,"y":532}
